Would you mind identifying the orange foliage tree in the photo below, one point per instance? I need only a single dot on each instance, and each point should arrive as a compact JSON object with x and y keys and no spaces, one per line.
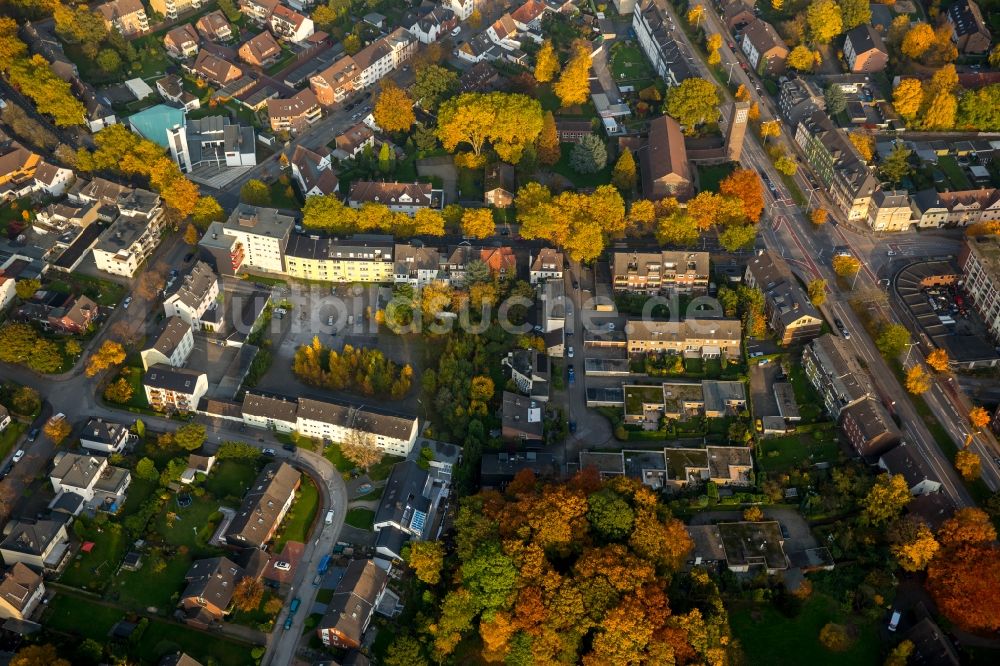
{"x":964,"y":577}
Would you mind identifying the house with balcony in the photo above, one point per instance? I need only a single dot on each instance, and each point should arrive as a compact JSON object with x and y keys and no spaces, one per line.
{"x":195,"y":299}
{"x":171,"y":389}
{"x":354,"y":601}
{"x":100,"y":486}
{"x":336,"y":82}
{"x":104,"y":436}
{"x":172,"y":346}
{"x":546,"y":265}
{"x":353,"y":141}
{"x":764,"y":48}
{"x":258,"y":11}
{"x":171,"y":9}
{"x":294,"y":114}
{"x":208,"y":595}
{"x":313,"y":172}
{"x":288,"y":24}
{"x":260,"y":50}
{"x":126,"y":244}
{"x":694,"y":338}
{"x":264,"y":506}
{"x":126,"y":16}
{"x":790,"y":313}
{"x":665,"y":272}
{"x":40,"y":545}
{"x":214,"y":27}
{"x":651,"y":23}
{"x":182,"y":41}
{"x":429,"y":23}
{"x":864,"y":49}
{"x":405,"y":198}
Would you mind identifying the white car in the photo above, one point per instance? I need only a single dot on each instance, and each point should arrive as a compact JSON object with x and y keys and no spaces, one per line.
{"x":457,"y":31}
{"x":18,"y":455}
{"x":281,"y":565}
{"x":127,"y":302}
{"x":329,"y":517}
{"x":569,"y":352}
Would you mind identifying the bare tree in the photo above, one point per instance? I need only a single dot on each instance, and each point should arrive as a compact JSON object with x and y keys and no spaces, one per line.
{"x":360,"y":448}
{"x":152,"y":281}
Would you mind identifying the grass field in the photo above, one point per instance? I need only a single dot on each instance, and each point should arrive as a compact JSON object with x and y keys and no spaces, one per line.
{"x":781,"y":453}
{"x":955,"y":174}
{"x":628,"y":63}
{"x":10,"y":435}
{"x":768,"y":637}
{"x":709,"y":177}
{"x":376,"y":473}
{"x":563,"y":168}
{"x":360,"y":518}
{"x":295,"y":526}
{"x":230,"y":479}
{"x":92,"y":571}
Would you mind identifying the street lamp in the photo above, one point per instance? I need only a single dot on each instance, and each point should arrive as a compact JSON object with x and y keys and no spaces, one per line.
{"x":730,"y":79}
{"x":910,"y":346}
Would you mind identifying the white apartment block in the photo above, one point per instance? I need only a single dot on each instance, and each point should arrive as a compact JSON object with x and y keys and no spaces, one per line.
{"x":980,"y":262}
{"x":195,"y":300}
{"x":395,"y":435}
{"x":172,"y":8}
{"x":263,"y":234}
{"x":463,"y":8}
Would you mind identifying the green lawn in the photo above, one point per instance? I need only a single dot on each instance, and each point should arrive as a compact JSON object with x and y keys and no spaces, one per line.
{"x":360,"y":518}
{"x":10,"y":436}
{"x":955,"y":174}
{"x":781,"y":453}
{"x":563,"y":168}
{"x":93,"y":570}
{"x":134,"y":377}
{"x":144,"y":589}
{"x":231,"y":479}
{"x":280,"y":197}
{"x":628,"y":63}
{"x":103,"y":292}
{"x":809,"y":403}
{"x":83,"y":618}
{"x":298,"y":520}
{"x":768,"y":637}
{"x":139,"y":491}
{"x":709,"y":177}
{"x":10,"y":212}
{"x":191,"y":527}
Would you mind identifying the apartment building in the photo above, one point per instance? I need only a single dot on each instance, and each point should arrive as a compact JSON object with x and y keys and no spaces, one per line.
{"x":764,"y":49}
{"x":345,"y":261}
{"x":171,"y":9}
{"x":848,"y":180}
{"x":336,"y":82}
{"x":933,"y":209}
{"x":172,"y":346}
{"x":211,"y":141}
{"x":703,"y":338}
{"x":132,"y":236}
{"x":294,"y":114}
{"x":182,"y":41}
{"x":969,"y":29}
{"x":174,"y":389}
{"x":651,"y":23}
{"x":864,"y":49}
{"x":258,"y":11}
{"x":890,"y":210}
{"x":546,"y":265}
{"x":405,"y":198}
{"x":126,"y":16}
{"x":790,"y":313}
{"x":195,"y":299}
{"x":264,"y":506}
{"x":384,"y":55}
{"x":262,"y":233}
{"x":980,"y":262}
{"x":393,"y":434}
{"x":288,"y":24}
{"x":270,"y":412}
{"x":313,"y":172}
{"x":660,"y":272}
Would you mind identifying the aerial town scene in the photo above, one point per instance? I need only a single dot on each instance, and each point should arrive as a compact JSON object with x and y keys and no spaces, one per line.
{"x":471,"y":332}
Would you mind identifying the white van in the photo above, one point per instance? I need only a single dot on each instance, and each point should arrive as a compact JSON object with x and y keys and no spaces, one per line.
{"x":329,"y":517}
{"x":894,"y":620}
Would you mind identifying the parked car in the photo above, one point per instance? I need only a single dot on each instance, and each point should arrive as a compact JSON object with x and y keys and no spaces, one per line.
{"x":268,"y":452}
{"x":569,"y":352}
{"x":18,"y":455}
{"x":127,"y":302}
{"x":756,"y":354}
{"x":572,"y":426}
{"x":33,"y":435}
{"x":288,"y":447}
{"x":281,"y":565}
{"x":329,"y":517}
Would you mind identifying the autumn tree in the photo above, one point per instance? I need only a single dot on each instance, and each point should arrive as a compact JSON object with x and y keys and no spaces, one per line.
{"x":394,"y":108}
{"x":119,"y":391}
{"x":433,"y":84}
{"x":979,"y":418}
{"x":191,"y":235}
{"x":108,"y":355}
{"x":694,"y":102}
{"x":206,"y":211}
{"x":824,"y":21}
{"x":941,"y":113}
{"x":855,"y":13}
{"x":938,"y":359}
{"x":917,"y":380}
{"x":886,"y":500}
{"x":892,"y":340}
{"x":624,"y":174}
{"x":753,"y":514}
{"x":801,"y":58}
{"x":190,"y":437}
{"x":426,"y":558}
{"x":361,"y":449}
{"x":964,"y":577}
{"x":712,"y":44}
{"x":908,"y":97}
{"x":478,"y":223}
{"x":573,"y":86}
{"x":546,"y":63}
{"x":919,"y":38}
{"x":864,"y":143}
{"x":57,"y":429}
{"x":968,"y":464}
{"x":256,"y":193}
{"x":770,"y":128}
{"x":994,"y":58}
{"x":817,"y":291}
{"x":26,"y":288}
{"x":547,"y":147}
{"x":248,"y":594}
{"x":38,"y":655}
{"x":846,"y":266}
{"x":744,"y":185}
{"x":900,"y":654}
{"x":507,"y":121}
{"x":914,"y":545}
{"x":836,"y":637}
{"x":818,"y":216}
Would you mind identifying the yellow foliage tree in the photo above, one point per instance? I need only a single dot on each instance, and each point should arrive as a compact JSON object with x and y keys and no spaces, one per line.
{"x":800,"y":58}
{"x":995,"y":56}
{"x":979,"y":418}
{"x":938,"y":359}
{"x":916,"y":552}
{"x":907,"y":98}
{"x":478,"y":223}
{"x":824,"y":20}
{"x":770,"y":128}
{"x":753,"y":514}
{"x":573,"y":87}
{"x":695,"y":14}
{"x":845,"y":266}
{"x":818,"y":216}
{"x":917,"y":380}
{"x":394,"y":108}
{"x":865,"y":144}
{"x":57,"y":429}
{"x":968,"y":464}
{"x":940,"y":114}
{"x":919,"y":38}
{"x":546,"y":63}
{"x":109,"y":354}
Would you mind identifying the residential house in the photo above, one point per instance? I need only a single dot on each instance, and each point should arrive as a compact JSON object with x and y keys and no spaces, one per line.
{"x":214,"y":69}
{"x":502,"y":261}
{"x":704,"y":338}
{"x":653,"y":28}
{"x":572,"y":131}
{"x":499,"y":185}
{"x":416,"y":265}
{"x":271,"y":412}
{"x":335,"y":421}
{"x":383,"y":56}
{"x":172,"y":347}
{"x":868,"y":427}
{"x":182,"y":41}
{"x":399,"y":197}
{"x":53,"y":180}
{"x":354,"y":141}
{"x":258,"y":11}
{"x":764,"y":48}
{"x":980,"y":262}
{"x":798,"y":99}
{"x":933,"y":209}
{"x":790,"y":313}
{"x":260,"y":50}
{"x":104,"y":436}
{"x":101,"y":486}
{"x":931,"y":645}
{"x":354,"y":601}
{"x":968,"y":27}
{"x":126,"y":16}
{"x":347,"y":261}
{"x":845,"y":175}
{"x":21,"y":590}
{"x":171,"y":9}
{"x":737,"y":14}
{"x":212,"y":141}
{"x":295,"y":114}
{"x":174,"y":389}
{"x":546,"y":265}
{"x":209,"y":592}
{"x":262,"y":234}
{"x":197,"y":464}
{"x":171,"y":88}
{"x":289,"y":25}
{"x":463,"y":8}
{"x":312,"y":172}
{"x":521,"y":419}
{"x":913,"y":466}
{"x":409,"y":504}
{"x":529,"y":15}
{"x":497,"y":470}
{"x":529,"y":369}
{"x":864,"y":49}
{"x":504,"y":33}
{"x":264,"y":506}
{"x":38,"y":544}
{"x":890,"y":210}
{"x":664,"y":162}
{"x":74,"y":316}
{"x":722,"y":465}
{"x":758,"y":545}
{"x":666,"y":271}
{"x":214,"y":27}
{"x":336,"y":82}
{"x":17,"y":169}
{"x":430,"y":22}
{"x":195,"y":299}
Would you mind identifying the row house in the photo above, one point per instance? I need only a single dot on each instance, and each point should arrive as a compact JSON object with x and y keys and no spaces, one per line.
{"x":126,"y":16}
{"x":182,"y":41}
{"x":890,"y":210}
{"x":343,"y":261}
{"x":660,"y":272}
{"x":289,"y":25}
{"x":171,"y":9}
{"x":417,"y":266}
{"x":933,"y":209}
{"x":171,"y":389}
{"x":789,"y":311}
{"x":295,"y":114}
{"x":700,"y":338}
{"x":336,"y":82}
{"x":845,"y":175}
{"x":214,"y":27}
{"x":405,"y":198}
{"x":313,"y":172}
{"x":652,"y":25}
